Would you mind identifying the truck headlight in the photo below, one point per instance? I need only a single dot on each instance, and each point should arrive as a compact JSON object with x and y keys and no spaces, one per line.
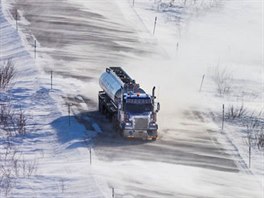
{"x":153,"y":125}
{"x":128,"y":124}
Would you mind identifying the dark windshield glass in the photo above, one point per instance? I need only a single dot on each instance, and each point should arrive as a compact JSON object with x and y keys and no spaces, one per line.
{"x":138,"y":105}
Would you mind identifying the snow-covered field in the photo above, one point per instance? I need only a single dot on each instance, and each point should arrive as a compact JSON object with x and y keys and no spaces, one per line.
{"x":77,"y":39}
{"x":218,"y":36}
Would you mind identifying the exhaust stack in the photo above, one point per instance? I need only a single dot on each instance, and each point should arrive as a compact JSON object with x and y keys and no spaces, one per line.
{"x":153,"y":92}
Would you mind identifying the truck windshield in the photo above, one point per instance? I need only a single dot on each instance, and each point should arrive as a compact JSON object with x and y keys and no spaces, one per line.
{"x":138,"y":105}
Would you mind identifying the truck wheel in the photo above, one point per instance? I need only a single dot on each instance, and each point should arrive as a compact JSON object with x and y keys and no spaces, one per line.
{"x":103,"y":110}
{"x":100,"y":105}
{"x":100,"y":108}
{"x":115,"y":122}
{"x":108,"y":116}
{"x":121,"y":133}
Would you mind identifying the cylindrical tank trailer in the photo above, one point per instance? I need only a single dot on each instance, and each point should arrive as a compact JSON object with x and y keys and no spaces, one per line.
{"x":111,"y":84}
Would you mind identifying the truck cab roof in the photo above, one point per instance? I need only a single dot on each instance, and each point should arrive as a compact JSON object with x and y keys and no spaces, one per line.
{"x":136,"y":95}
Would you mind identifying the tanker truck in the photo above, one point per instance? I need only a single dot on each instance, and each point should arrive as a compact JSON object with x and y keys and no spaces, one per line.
{"x":132,"y":111}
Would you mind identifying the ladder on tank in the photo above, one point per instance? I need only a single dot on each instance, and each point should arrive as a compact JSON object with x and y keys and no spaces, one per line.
{"x":122,"y":75}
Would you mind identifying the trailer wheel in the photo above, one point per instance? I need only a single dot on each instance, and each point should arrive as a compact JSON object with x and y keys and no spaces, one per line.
{"x":108,"y":115}
{"x":100,"y":106}
{"x":115,"y":122}
{"x":104,"y":111}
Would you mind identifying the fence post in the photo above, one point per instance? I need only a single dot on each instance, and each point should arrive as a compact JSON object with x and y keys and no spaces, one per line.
{"x":249,"y":151}
{"x":51,"y":78}
{"x":223,"y":118}
{"x":201,"y":83}
{"x":155,"y":23}
{"x":69,"y":113}
{"x":90,"y":151}
{"x":35,"y":50}
{"x":16,"y":20}
{"x":113,"y":193}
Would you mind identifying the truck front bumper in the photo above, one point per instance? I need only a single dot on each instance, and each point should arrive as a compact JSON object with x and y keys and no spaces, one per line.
{"x":142,"y":134}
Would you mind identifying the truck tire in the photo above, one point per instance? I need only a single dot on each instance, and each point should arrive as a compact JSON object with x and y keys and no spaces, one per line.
{"x":104,"y":111}
{"x":115,"y":122}
{"x":107,"y":115}
{"x":100,"y":106}
{"x":110,"y":117}
{"x":121,"y":133}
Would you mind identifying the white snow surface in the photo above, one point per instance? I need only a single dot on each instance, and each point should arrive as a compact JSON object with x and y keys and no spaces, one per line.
{"x":228,"y":35}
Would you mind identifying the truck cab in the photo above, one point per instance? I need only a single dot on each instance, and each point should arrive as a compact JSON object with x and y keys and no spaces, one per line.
{"x":137,"y":116}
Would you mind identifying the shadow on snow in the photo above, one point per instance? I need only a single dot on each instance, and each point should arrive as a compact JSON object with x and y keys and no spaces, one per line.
{"x":70,"y":133}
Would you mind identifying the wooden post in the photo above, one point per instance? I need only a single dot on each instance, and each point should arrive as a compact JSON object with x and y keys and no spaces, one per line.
{"x":113,"y":193}
{"x":69,"y":114}
{"x":35,"y":50}
{"x":249,"y":151}
{"x":51,"y":78}
{"x":16,"y":20}
{"x":223,"y":118}
{"x":201,"y":83}
{"x":133,"y":3}
{"x":90,"y":155}
{"x":155,"y":23}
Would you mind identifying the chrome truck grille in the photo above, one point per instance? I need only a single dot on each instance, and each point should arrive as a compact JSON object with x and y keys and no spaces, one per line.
{"x":141,"y":123}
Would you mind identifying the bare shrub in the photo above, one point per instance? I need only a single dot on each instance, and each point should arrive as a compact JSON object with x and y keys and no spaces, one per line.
{"x":234,"y":112}
{"x":250,"y":140}
{"x":223,"y":80}
{"x":171,"y":3}
{"x":254,"y":129}
{"x":12,"y":163}
{"x":13,"y":122}
{"x":6,"y":184}
{"x":62,"y":185}
{"x":28,"y":167}
{"x":7,"y":73}
{"x":6,"y":170}
{"x":21,"y":122}
{"x":253,"y":126}
{"x":6,"y":113}
{"x":12,"y":167}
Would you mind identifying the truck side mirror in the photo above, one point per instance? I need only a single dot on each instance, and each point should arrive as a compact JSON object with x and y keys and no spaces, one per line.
{"x":158,"y":107}
{"x":153,"y":92}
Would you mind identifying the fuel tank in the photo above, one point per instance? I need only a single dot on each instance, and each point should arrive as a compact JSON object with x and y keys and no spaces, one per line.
{"x":111,"y":84}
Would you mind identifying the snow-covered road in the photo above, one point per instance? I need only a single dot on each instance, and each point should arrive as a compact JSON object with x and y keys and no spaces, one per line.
{"x":84,"y":38}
